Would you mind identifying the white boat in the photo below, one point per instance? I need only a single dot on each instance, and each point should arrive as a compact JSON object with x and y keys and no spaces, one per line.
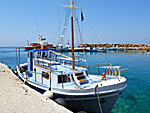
{"x":91,"y":49}
{"x":68,"y":83}
{"x":60,"y":48}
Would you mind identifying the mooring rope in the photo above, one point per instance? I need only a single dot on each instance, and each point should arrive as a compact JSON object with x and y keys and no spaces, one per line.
{"x":99,"y":103}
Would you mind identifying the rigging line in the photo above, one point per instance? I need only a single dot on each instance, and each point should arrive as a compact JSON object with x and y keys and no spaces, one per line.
{"x":58,"y":30}
{"x":65,"y":25}
{"x":107,"y":59}
{"x":76,"y":34}
{"x":86,"y":64}
{"x":59,"y":27}
{"x":75,"y":15}
{"x":78,"y":27}
{"x":79,"y":31}
{"x":93,"y":31}
{"x":88,"y":33}
{"x":81,"y":36}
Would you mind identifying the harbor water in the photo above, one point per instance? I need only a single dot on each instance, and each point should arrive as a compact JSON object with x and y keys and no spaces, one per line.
{"x":135,"y":98}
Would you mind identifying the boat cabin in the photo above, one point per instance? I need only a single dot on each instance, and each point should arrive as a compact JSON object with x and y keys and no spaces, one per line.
{"x":46,"y":68}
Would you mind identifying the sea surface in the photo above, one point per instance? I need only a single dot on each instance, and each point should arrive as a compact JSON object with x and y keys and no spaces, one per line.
{"x":135,"y":98}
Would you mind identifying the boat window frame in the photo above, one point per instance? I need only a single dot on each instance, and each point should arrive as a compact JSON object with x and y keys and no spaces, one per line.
{"x":86,"y":72}
{"x":67,"y":79}
{"x":44,"y":76}
{"x":44,"y":54}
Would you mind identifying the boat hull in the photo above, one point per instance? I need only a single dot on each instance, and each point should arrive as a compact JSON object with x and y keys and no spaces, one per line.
{"x":92,"y":105}
{"x":88,"y":103}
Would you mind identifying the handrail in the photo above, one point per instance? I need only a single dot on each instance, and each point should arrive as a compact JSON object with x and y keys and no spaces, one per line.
{"x":60,"y":54}
{"x":101,"y":64}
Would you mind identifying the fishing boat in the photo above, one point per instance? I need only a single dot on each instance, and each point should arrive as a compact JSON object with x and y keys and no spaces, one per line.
{"x":65,"y":80}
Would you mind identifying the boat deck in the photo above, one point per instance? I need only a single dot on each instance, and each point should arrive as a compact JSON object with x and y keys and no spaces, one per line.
{"x":58,"y":67}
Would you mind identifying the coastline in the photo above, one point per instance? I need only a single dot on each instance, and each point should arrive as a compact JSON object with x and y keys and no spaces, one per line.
{"x":118,"y":45}
{"x":16,"y":97}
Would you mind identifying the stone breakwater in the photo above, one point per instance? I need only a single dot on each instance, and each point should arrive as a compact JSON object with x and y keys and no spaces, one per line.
{"x":123,"y":46}
{"x":15,"y":97}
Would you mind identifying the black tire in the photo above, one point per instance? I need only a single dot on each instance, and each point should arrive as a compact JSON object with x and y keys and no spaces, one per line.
{"x":61,"y":101}
{"x":25,"y":82}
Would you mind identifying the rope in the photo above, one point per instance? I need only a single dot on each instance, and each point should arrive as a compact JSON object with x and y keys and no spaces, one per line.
{"x":99,"y":103}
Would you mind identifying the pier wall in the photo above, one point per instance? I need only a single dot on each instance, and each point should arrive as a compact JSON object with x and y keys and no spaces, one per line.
{"x":123,"y":46}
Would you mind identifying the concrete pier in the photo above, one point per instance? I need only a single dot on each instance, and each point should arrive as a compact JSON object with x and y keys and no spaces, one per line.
{"x":15,"y":97}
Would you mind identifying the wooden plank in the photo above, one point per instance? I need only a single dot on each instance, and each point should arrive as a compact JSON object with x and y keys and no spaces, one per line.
{"x":82,"y":80}
{"x":80,"y":75}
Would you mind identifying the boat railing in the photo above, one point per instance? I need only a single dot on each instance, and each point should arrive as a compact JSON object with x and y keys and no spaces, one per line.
{"x":106,"y":68}
{"x":68,"y":60}
{"x":61,"y":73}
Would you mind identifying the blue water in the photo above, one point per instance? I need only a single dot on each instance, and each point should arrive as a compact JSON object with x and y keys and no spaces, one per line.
{"x":135,"y":98}
{"x":8,"y":56}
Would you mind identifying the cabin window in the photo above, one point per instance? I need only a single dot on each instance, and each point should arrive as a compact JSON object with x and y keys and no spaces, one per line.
{"x":49,"y":54}
{"x":86,"y":73}
{"x":44,"y":55}
{"x":63,"y":78}
{"x":45,"y":75}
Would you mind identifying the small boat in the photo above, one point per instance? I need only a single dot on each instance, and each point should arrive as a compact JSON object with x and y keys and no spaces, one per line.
{"x":67,"y":81}
{"x":91,"y":49}
{"x":61,"y":48}
{"x":43,"y":44}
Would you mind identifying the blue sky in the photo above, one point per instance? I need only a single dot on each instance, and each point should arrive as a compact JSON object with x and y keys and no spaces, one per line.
{"x":106,"y":21}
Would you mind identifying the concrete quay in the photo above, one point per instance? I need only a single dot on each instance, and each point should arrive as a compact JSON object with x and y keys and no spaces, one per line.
{"x":15,"y":97}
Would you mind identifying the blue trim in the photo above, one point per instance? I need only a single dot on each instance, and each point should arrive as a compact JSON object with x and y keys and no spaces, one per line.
{"x":29,"y":74}
{"x":84,"y":82}
{"x":39,"y":50}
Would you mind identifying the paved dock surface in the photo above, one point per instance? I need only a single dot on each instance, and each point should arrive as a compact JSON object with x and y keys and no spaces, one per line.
{"x":15,"y":99}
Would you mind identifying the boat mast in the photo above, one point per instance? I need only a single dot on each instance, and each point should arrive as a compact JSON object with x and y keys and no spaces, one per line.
{"x":72,"y":6}
{"x":72,"y":35}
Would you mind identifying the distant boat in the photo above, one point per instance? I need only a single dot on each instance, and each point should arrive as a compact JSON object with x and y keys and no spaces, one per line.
{"x":67,"y":82}
{"x":91,"y":49}
{"x":61,"y":48}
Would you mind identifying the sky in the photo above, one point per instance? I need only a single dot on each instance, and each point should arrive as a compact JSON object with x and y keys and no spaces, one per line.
{"x":105,"y":21}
